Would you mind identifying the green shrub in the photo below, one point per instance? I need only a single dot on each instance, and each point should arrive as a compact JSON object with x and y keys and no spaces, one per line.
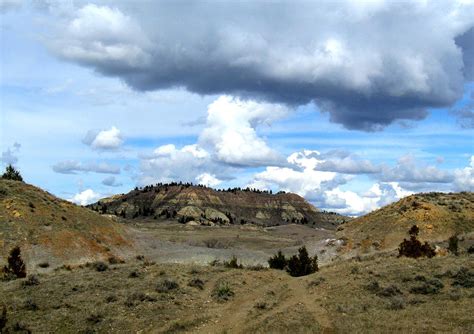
{"x":12,"y":174}
{"x":222,"y":291}
{"x":453,"y":245}
{"x":413,"y":247}
{"x":302,"y":264}
{"x":278,"y":261}
{"x":16,"y":267}
{"x":167,"y":285}
{"x":430,"y":287}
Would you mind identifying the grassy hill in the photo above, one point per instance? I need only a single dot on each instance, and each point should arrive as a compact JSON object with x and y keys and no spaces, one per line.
{"x":51,"y":230}
{"x":207,"y":206}
{"x":438,"y":215}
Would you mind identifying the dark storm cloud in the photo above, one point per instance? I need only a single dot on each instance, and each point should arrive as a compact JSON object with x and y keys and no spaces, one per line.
{"x":366,"y":64}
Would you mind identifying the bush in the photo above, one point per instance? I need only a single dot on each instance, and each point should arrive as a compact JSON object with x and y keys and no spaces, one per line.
{"x":31,"y":281}
{"x":470,"y":250}
{"x":196,"y":283}
{"x":278,"y":261}
{"x":302,"y":264}
{"x":12,"y":174}
{"x":413,"y":247}
{"x":100,"y":266}
{"x":16,"y":267}
{"x":464,"y":278}
{"x":167,"y":285}
{"x":222,"y":292}
{"x":429,"y":287}
{"x":453,"y":245}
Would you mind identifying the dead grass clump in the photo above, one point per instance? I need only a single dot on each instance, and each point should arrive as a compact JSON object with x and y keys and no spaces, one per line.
{"x":167,"y":285}
{"x":396,"y":303}
{"x":215,"y":243}
{"x":95,"y":318}
{"x":115,"y":260}
{"x":261,"y":305}
{"x":316,"y":282}
{"x":389,"y":291}
{"x":134,"y":274}
{"x":111,"y":299}
{"x":222,"y":292}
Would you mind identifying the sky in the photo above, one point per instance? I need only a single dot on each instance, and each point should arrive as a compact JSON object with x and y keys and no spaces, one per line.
{"x":350,"y":104}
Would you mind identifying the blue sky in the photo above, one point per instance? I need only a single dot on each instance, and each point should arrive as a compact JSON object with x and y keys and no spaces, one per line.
{"x":96,"y":99}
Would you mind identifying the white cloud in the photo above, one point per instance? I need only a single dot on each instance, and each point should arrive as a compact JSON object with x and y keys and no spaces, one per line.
{"x":105,"y":35}
{"x":73,"y":166}
{"x":85,"y":197}
{"x":207,"y":179}
{"x":231,"y":131}
{"x":10,"y":156}
{"x":104,"y":140}
{"x":464,"y":178}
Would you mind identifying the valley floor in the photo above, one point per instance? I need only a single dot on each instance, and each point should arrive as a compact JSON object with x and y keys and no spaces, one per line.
{"x":380,"y":293}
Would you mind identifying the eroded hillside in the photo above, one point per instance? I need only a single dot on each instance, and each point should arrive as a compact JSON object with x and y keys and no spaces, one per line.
{"x":51,"y":230}
{"x":206,"y":206}
{"x":438,"y":215}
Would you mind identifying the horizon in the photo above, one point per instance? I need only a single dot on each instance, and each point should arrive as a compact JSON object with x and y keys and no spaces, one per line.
{"x":98,"y":97}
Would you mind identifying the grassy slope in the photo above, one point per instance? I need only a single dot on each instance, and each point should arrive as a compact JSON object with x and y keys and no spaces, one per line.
{"x":336,"y":299}
{"x":52,"y":230}
{"x":438,"y":216}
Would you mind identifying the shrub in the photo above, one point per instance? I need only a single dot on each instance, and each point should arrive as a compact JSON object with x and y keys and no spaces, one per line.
{"x":453,"y":245}
{"x":413,"y":247}
{"x":196,"y":283}
{"x":15,"y":267}
{"x":278,"y":261}
{"x":232,"y":263}
{"x":30,"y":305}
{"x":429,"y":287}
{"x":31,"y":281}
{"x":390,"y":291}
{"x":167,"y":285}
{"x":302,"y":264}
{"x":3,"y":318}
{"x":464,"y":278}
{"x":396,"y":303}
{"x":470,"y":250}
{"x":12,"y":174}
{"x":115,"y":260}
{"x":222,"y":291}
{"x":100,"y":266}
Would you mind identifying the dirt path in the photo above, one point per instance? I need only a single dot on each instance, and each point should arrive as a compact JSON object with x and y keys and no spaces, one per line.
{"x":261,"y":307}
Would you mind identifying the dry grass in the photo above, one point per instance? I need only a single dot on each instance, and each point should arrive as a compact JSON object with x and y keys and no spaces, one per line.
{"x":377,"y":296}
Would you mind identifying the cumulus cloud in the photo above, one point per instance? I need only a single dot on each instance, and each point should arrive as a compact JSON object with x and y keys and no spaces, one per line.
{"x":341,"y":55}
{"x":10,"y":155}
{"x":188,"y":163}
{"x":231,"y":131}
{"x":104,"y":140}
{"x":111,"y":181}
{"x":465,"y":112}
{"x":207,"y":179}
{"x":85,"y":197}
{"x":464,"y":178}
{"x":73,"y":167}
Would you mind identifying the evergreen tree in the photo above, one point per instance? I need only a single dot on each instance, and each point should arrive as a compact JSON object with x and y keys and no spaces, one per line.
{"x":12,"y":174}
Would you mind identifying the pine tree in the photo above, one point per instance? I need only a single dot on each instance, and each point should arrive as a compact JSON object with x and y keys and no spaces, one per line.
{"x":12,"y":174}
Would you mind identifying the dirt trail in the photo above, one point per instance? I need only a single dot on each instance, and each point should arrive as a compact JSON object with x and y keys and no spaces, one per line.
{"x":278,"y":307}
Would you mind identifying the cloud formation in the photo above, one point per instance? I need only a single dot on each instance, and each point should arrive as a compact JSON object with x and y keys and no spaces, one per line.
{"x":10,"y":156}
{"x":85,"y":197}
{"x":73,"y":167}
{"x":104,"y":140}
{"x":111,"y":181}
{"x":341,"y":55}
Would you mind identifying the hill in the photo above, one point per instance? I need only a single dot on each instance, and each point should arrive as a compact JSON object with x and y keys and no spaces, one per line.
{"x":438,"y":215}
{"x":51,"y":230}
{"x":206,"y":206}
